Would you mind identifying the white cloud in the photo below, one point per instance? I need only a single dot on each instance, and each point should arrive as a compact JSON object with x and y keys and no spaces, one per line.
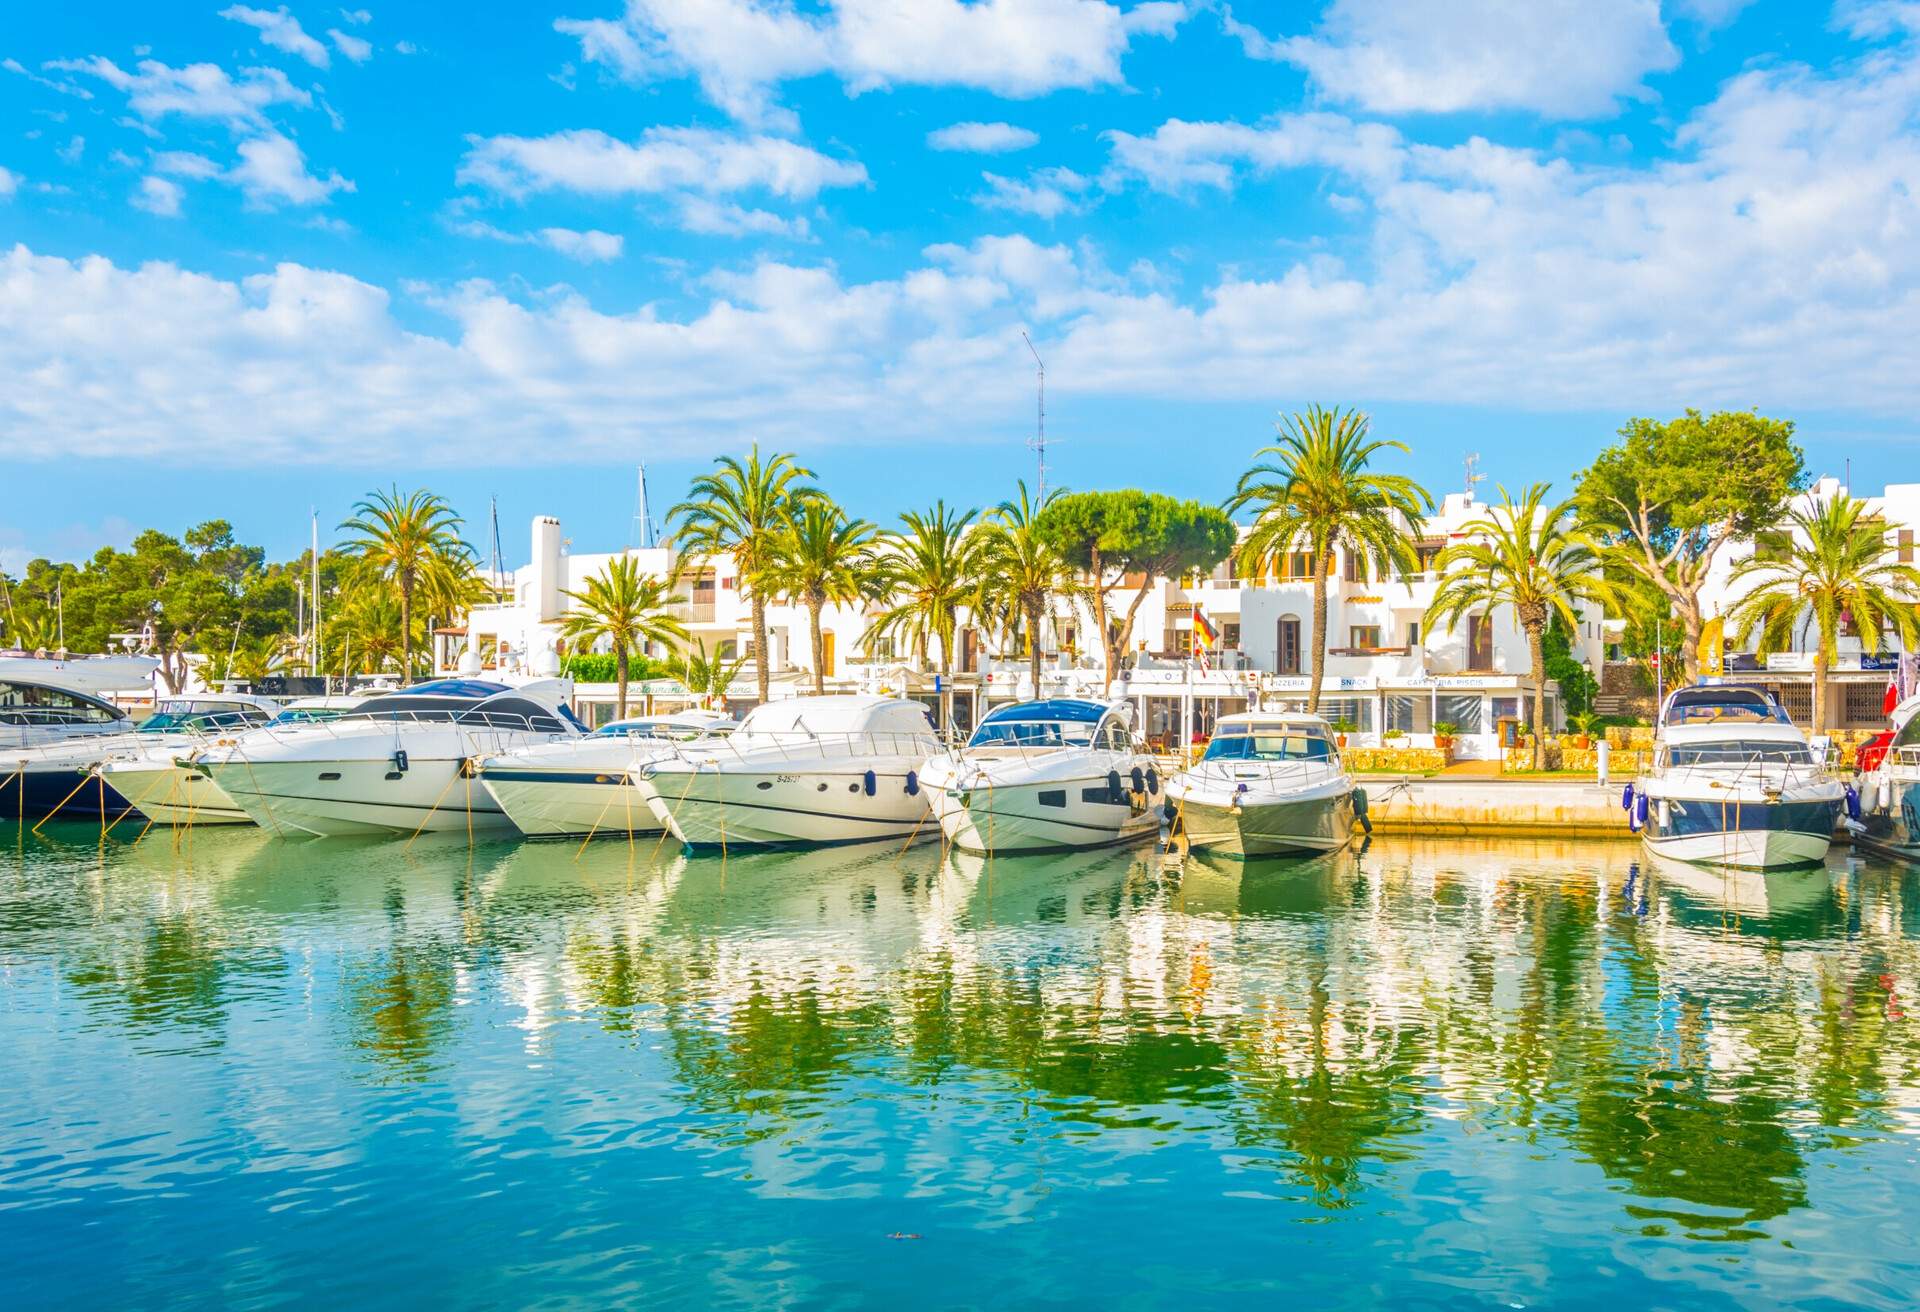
{"x":982,"y":138}
{"x":9,"y":182}
{"x":281,"y":30}
{"x":1047,"y":193}
{"x":158,"y":196}
{"x":663,"y":160}
{"x":71,"y":152}
{"x":272,"y":171}
{"x":185,"y":164}
{"x":1559,"y":58}
{"x":725,"y":219}
{"x":1711,"y":13}
{"x":741,"y":50}
{"x":155,"y":90}
{"x":52,"y":84}
{"x":355,"y":48}
{"x":1877,"y":18}
{"x":357,"y":17}
{"x":589,"y":247}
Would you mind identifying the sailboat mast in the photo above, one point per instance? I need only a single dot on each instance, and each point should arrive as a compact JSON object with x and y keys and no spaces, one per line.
{"x":313,"y":631}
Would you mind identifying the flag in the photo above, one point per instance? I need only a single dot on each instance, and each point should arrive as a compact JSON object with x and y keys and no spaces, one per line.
{"x":1204,"y":636}
{"x":1713,"y":646}
{"x":1891,"y":700}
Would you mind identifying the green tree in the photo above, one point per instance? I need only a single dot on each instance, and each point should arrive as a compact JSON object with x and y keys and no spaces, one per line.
{"x":1833,"y":572}
{"x":407,"y":541}
{"x":1132,"y":533}
{"x":1024,"y":570}
{"x":1528,"y":556}
{"x":822,"y":557}
{"x":1312,"y":491}
{"x":706,"y":676}
{"x":364,"y":634}
{"x":627,"y":608}
{"x":1666,"y":497}
{"x":1577,"y":684}
{"x":741,"y":510}
{"x":930,"y":572}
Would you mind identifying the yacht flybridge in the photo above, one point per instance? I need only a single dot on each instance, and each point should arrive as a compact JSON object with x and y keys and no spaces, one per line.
{"x":1056,"y":773}
{"x":1734,"y":783}
{"x":399,"y":762}
{"x":580,"y":786}
{"x":1270,"y":783}
{"x":814,"y":770}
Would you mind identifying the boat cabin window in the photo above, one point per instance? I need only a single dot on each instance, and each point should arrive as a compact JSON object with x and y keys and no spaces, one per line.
{"x":1739,"y":752}
{"x":517,"y":713}
{"x":1112,"y":737}
{"x":1032,"y":733}
{"x":30,"y":704}
{"x":1724,"y":706}
{"x":1238,"y":743}
{"x":1909,"y":735}
{"x":176,"y":717}
{"x":309,"y":714}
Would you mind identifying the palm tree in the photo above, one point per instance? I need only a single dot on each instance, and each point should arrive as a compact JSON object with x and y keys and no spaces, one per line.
{"x":403,"y":540}
{"x":1529,"y":556}
{"x":1318,"y":493}
{"x":707,"y":677}
{"x":740,"y":510}
{"x":822,"y":557}
{"x":626,"y":608}
{"x":363,"y":633}
{"x":1024,"y":570}
{"x":1833,"y":570}
{"x":930,"y":572}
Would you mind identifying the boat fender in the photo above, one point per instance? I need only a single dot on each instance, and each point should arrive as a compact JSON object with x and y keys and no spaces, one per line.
{"x":870,"y":783}
{"x":1636,"y":815}
{"x":1139,"y":780}
{"x":1853,"y":803}
{"x":913,"y":784}
{"x":1153,"y":780}
{"x":1113,"y":784}
{"x":400,"y":761}
{"x":1360,"y":810}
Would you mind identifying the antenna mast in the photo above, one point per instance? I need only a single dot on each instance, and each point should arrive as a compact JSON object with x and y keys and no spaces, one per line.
{"x":1473,"y":460}
{"x":314,"y":632}
{"x":493,"y":504}
{"x":1039,"y":442}
{"x":649,"y":535}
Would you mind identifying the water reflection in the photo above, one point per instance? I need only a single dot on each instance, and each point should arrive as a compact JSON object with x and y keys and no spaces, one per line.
{"x":1325,"y":1030}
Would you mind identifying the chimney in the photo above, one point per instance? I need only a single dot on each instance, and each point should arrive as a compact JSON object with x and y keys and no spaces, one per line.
{"x":546,"y":567}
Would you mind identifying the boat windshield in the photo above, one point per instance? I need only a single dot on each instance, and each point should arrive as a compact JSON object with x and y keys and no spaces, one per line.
{"x":1268,"y":745}
{"x":1740,"y":752}
{"x":188,"y":717}
{"x":1032,"y":733}
{"x":1909,"y":735}
{"x":1724,"y":706}
{"x":309,"y":714}
{"x":650,"y":729}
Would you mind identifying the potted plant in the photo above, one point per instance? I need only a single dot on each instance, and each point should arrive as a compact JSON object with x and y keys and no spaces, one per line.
{"x":1443,"y":733}
{"x":1341,"y":728}
{"x":1585,"y":723}
{"x":1393,"y":736}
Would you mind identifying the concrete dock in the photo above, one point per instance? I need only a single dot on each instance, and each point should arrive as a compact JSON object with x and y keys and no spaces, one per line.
{"x":1456,"y":805}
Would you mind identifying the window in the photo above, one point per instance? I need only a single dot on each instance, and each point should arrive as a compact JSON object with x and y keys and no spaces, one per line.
{"x":1101,"y":796}
{"x":1409,"y":713}
{"x":1356,"y":567}
{"x":1056,"y":797}
{"x":1287,"y":657}
{"x":1413,"y":633}
{"x":1480,"y":643}
{"x":1299,"y":565}
{"x":1365,"y":637}
{"x":1463,"y":712}
{"x":1906,"y":546}
{"x":1357,"y":711}
{"x":1230,"y":635}
{"x":1739,"y":753}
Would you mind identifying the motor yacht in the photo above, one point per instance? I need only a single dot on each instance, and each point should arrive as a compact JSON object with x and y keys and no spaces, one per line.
{"x":580,"y":786}
{"x":1057,"y":773}
{"x":1734,"y":783}
{"x":53,"y":774}
{"x":400,"y":762}
{"x":96,"y":676}
{"x":843,"y":768}
{"x":1890,"y":793}
{"x":1270,"y":783}
{"x":156,"y":779}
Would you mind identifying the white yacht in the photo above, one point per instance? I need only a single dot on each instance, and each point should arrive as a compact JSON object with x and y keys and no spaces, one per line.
{"x":400,"y":762}
{"x":97,"y":676}
{"x":1270,"y":783}
{"x":1056,"y":773}
{"x":842,"y":768}
{"x":580,"y":786}
{"x":157,"y":779}
{"x":53,"y":772}
{"x":1734,"y":783}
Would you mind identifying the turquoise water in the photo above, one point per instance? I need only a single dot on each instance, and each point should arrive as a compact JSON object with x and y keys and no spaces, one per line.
{"x":251,"y":1073}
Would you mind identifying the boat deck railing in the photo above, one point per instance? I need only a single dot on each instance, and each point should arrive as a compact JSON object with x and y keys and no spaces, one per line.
{"x":795,"y":745}
{"x":471,"y":722}
{"x":1301,"y":771}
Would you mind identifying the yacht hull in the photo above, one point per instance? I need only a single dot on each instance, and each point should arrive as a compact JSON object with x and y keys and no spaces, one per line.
{"x":1026,"y":817}
{"x":1892,"y":828}
{"x":1274,"y":828}
{"x":170,"y":794}
{"x":295,"y":798}
{"x":733,"y":807}
{"x":57,"y":790}
{"x":1750,"y":834}
{"x":569,"y":803}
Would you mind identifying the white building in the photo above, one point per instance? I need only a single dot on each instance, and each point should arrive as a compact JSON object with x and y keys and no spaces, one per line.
{"x":1383,"y":672}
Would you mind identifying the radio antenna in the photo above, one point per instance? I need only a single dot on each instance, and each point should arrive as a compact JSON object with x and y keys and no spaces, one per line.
{"x":1039,"y":442}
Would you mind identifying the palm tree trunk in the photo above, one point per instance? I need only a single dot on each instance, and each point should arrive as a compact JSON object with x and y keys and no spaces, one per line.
{"x":1033,"y":647}
{"x":946,"y":690}
{"x":406,"y":632}
{"x":1820,"y":690}
{"x":1319,"y":636}
{"x":1537,"y":648}
{"x":761,"y":658}
{"x":620,"y":673}
{"x":819,"y":649}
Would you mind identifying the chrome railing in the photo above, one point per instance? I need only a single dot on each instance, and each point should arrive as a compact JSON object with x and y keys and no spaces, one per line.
{"x":796,"y":745}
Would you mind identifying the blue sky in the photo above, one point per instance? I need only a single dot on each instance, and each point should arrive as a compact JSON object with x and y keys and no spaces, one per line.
{"x":260,"y":258}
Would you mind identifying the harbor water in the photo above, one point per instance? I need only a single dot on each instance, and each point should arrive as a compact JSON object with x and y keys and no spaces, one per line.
{"x":245,"y":1072}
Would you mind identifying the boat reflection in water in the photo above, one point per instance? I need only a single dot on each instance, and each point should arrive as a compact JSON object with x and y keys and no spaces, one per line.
{"x":1514,"y":1056}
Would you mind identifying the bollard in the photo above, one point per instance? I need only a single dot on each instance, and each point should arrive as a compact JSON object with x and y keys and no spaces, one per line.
{"x":1600,"y":760}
